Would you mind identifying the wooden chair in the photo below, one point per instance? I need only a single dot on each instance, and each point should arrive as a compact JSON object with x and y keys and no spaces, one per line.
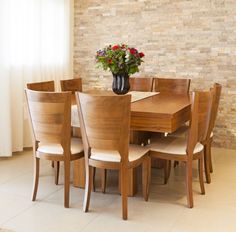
{"x":183,"y":131}
{"x":187,"y":150}
{"x":72,"y":85}
{"x":209,"y":138}
{"x":105,"y":135}
{"x":50,"y":115}
{"x":46,"y":86}
{"x":171,"y":86}
{"x":143,"y":84}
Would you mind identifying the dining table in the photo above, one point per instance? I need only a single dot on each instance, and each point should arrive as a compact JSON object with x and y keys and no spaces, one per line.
{"x":150,"y":112}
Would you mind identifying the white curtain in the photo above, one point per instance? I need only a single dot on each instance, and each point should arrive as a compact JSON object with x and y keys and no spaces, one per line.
{"x":35,"y":45}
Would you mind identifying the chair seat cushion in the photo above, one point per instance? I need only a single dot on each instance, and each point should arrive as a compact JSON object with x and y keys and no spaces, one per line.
{"x":135,"y":153}
{"x":55,"y":148}
{"x":172,"y":145}
{"x":182,"y":132}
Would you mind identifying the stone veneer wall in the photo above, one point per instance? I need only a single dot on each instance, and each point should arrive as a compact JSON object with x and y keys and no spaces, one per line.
{"x":181,"y":38}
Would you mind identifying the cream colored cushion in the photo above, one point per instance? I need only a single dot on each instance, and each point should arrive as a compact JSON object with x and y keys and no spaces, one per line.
{"x":135,"y":152}
{"x":53,"y":148}
{"x":183,"y":132}
{"x":172,"y":145}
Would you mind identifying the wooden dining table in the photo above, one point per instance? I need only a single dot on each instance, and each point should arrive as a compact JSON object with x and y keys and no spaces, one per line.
{"x":163,"y":113}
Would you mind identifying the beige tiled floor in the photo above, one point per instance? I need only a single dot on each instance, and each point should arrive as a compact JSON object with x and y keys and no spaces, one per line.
{"x":165,"y":211}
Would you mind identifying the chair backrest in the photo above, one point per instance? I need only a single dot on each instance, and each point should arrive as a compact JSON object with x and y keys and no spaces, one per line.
{"x":46,"y":86}
{"x":171,"y":86}
{"x":214,"y":109}
{"x":141,"y":84}
{"x":72,"y":85}
{"x":50,"y":115}
{"x":105,"y":122}
{"x":200,"y":118}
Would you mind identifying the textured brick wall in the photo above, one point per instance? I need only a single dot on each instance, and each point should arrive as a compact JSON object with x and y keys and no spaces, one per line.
{"x":181,"y":38}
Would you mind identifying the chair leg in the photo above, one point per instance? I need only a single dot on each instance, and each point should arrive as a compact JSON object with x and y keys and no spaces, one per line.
{"x":167,"y":169}
{"x":36,"y":178}
{"x":88,"y":186}
{"x":176,"y":163}
{"x":119,"y":182}
{"x":103,"y":179}
{"x":200,"y":172}
{"x":149,"y":173}
{"x":206,"y":163}
{"x":210,"y":158}
{"x":146,"y":177}
{"x":124,"y":195}
{"x":52,"y":164}
{"x":189,"y":187}
{"x":57,"y":171}
{"x":93,"y":178}
{"x":66,"y":184}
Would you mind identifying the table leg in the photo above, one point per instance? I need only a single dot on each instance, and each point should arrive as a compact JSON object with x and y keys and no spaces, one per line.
{"x":132,"y":175}
{"x":79,"y":173}
{"x":132,"y":184}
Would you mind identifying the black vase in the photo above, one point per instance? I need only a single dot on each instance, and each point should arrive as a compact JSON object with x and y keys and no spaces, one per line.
{"x":120,"y":83}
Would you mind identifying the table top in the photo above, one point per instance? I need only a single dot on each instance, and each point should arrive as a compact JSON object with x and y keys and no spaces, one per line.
{"x":163,"y":104}
{"x":157,"y":113}
{"x":160,"y":113}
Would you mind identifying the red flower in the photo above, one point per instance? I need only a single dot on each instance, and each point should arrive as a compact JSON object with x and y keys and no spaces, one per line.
{"x":110,"y":61}
{"x":115,"y":47}
{"x":141,"y":54}
{"x":133,"y":51}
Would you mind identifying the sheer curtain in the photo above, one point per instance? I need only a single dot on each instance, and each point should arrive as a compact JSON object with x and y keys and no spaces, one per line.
{"x":35,"y":45}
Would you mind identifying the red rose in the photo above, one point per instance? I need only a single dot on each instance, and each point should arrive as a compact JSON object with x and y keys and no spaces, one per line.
{"x":133,"y":51}
{"x":141,"y":54}
{"x":115,"y":47}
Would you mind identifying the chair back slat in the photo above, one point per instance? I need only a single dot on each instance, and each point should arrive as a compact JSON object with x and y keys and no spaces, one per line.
{"x":171,"y":86}
{"x":215,"y":105}
{"x":200,"y":118}
{"x":105,"y":122}
{"x":50,"y":115}
{"x":46,"y":86}
{"x":72,"y":85}
{"x":143,"y":84}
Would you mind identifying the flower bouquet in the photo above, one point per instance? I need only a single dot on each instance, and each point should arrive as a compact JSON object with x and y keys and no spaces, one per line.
{"x":122,"y":61}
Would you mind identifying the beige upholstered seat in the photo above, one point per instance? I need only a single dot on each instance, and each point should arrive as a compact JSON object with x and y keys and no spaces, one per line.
{"x":56,"y":148}
{"x":183,"y":132}
{"x":173,"y":145}
{"x":135,"y":152}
